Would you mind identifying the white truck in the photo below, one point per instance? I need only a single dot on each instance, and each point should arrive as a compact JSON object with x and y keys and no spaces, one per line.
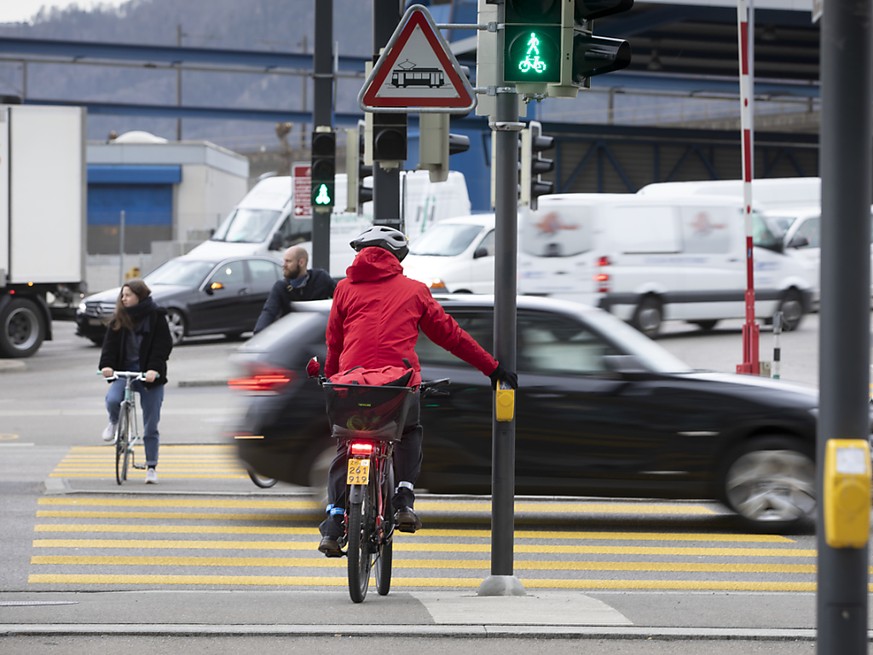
{"x":43,"y":190}
{"x":263,"y":222}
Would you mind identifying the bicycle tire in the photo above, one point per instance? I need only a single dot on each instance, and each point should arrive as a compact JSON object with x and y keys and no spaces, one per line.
{"x":122,"y":451}
{"x":361,"y":525}
{"x":385,"y":554}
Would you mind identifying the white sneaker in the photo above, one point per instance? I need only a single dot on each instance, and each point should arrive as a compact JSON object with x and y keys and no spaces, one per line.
{"x":109,"y":432}
{"x":151,"y":475}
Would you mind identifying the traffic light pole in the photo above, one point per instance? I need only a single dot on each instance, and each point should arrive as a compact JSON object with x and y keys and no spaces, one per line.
{"x":844,"y":351}
{"x":322,"y":114}
{"x":386,"y":183}
{"x":506,"y":126}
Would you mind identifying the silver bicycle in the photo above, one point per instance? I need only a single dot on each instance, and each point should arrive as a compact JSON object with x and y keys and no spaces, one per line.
{"x":127,"y":433}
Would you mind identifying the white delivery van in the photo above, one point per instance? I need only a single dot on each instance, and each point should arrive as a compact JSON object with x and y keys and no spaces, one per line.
{"x":648,"y":259}
{"x":456,"y":255}
{"x":264,"y":222}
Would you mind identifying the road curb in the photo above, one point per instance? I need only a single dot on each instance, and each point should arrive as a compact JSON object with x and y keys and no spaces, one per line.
{"x":484,"y":631}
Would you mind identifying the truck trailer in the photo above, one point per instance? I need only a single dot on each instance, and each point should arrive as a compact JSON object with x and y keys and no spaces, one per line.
{"x":43,"y":191}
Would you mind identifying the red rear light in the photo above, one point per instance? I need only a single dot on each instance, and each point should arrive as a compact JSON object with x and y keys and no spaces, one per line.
{"x":601,"y":277}
{"x":361,"y":448}
{"x":263,"y":380}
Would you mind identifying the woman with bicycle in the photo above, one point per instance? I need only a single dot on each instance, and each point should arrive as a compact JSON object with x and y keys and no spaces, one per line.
{"x":374,"y":323}
{"x":138,"y":339}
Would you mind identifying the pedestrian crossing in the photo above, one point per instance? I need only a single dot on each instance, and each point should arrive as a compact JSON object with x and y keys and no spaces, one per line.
{"x":136,"y":541}
{"x":177,"y":462}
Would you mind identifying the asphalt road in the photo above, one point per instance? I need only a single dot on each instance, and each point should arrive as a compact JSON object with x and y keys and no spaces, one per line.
{"x":51,"y":414}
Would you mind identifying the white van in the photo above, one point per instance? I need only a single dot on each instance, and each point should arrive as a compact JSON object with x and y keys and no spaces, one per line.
{"x":456,"y":255}
{"x":648,"y":259}
{"x":264,"y":222}
{"x":767,"y":193}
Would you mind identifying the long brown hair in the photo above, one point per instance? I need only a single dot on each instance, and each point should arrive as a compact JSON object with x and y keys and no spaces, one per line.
{"x":120,"y":317}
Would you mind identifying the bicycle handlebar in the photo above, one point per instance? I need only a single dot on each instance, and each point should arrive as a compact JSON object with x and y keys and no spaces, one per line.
{"x":136,"y":375}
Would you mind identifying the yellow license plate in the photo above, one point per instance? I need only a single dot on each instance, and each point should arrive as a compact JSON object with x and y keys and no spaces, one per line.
{"x":359,"y":471}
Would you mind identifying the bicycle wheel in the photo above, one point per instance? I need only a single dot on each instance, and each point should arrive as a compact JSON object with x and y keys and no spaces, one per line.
{"x":362,"y":518}
{"x":385,"y":553}
{"x":122,"y":448}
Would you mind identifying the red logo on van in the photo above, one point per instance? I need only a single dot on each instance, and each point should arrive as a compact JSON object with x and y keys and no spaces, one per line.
{"x":551,"y":223}
{"x":703,"y":226}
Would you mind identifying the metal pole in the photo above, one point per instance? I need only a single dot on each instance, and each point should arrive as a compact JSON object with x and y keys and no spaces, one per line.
{"x":502,"y":582}
{"x":750,"y":363}
{"x":179,"y":35}
{"x":322,"y":114}
{"x":386,"y":183}
{"x":844,"y":348}
{"x":121,"y":223}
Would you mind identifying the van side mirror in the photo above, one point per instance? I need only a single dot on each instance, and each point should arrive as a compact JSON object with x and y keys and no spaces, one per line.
{"x":480,"y":252}
{"x":798,"y":241}
{"x":275,"y":242}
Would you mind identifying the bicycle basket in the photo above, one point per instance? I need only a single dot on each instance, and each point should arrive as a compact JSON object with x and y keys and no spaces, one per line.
{"x":371,"y":412}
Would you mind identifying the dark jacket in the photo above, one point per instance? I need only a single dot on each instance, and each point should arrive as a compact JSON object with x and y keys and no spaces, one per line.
{"x":154,"y":350}
{"x":376,"y":315}
{"x":317,"y":286}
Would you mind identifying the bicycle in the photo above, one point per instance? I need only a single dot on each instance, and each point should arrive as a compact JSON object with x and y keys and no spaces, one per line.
{"x":127,"y":431}
{"x":369,"y":420}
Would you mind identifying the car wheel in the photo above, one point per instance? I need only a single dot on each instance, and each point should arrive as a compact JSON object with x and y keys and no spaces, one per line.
{"x":791,"y":307}
{"x":770,"y":483}
{"x":705,"y":325}
{"x":176,"y":322}
{"x":649,"y":315}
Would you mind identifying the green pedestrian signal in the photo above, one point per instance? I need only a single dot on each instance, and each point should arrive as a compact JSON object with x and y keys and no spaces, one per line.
{"x":323,"y":196}
{"x":532,"y":42}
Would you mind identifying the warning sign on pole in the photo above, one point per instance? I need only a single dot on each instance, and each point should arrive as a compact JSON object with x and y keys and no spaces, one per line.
{"x":301,"y":191}
{"x":417,"y":72}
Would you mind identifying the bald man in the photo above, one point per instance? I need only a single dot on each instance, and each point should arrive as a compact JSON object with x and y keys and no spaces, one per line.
{"x":299,"y":284}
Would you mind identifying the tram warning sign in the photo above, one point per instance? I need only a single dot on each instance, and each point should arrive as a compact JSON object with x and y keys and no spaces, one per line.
{"x":417,"y":72}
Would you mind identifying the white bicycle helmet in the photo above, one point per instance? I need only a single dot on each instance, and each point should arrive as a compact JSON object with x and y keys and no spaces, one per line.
{"x":381,"y":236}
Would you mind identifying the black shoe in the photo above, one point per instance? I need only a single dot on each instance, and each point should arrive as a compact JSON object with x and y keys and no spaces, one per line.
{"x":406,"y":520}
{"x":330,"y":547}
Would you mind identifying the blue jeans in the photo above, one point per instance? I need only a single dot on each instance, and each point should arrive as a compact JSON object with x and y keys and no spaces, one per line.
{"x":150,"y":400}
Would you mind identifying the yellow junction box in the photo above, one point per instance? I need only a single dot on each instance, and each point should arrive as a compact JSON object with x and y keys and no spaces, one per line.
{"x":847,"y":493}
{"x":504,"y":403}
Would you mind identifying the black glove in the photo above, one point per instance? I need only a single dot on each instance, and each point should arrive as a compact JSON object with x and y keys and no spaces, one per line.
{"x":500,"y":374}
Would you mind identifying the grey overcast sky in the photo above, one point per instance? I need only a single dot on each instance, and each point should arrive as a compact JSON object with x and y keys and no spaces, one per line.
{"x":14,"y":11}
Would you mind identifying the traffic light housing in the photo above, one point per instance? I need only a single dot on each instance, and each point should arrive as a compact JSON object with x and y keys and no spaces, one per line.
{"x":532,"y":44}
{"x":533,"y":165}
{"x":358,"y":167}
{"x":436,"y":144}
{"x":323,"y":169}
{"x":389,"y":139}
{"x":584,"y":55}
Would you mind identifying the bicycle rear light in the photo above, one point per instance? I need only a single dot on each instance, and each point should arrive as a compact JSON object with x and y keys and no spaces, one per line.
{"x":361,"y":448}
{"x":262,"y":380}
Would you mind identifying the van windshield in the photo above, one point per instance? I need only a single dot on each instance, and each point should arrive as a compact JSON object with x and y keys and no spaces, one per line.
{"x":247,"y":226}
{"x":445,"y":240}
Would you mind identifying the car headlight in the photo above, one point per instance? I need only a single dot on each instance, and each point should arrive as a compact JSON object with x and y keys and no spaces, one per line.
{"x":81,"y":307}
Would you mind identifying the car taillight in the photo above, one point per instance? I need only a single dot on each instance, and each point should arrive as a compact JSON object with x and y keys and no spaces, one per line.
{"x":601,"y":277}
{"x":360,"y":448}
{"x":262,"y":380}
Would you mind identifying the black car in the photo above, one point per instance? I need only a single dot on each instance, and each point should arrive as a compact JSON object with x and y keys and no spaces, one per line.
{"x":202,"y":296}
{"x":601,"y":410}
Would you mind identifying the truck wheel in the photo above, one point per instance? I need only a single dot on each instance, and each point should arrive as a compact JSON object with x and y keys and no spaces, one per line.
{"x":176,"y":323}
{"x":649,"y":316}
{"x":22,"y":329}
{"x":791,"y":307}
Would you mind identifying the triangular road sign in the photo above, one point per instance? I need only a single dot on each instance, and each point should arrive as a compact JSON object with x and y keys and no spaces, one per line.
{"x":417,"y":72}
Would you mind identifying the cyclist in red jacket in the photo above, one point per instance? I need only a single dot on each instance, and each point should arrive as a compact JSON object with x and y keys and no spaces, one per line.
{"x":374,"y":322}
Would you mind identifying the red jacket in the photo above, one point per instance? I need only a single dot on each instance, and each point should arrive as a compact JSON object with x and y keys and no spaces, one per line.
{"x":376,"y":315}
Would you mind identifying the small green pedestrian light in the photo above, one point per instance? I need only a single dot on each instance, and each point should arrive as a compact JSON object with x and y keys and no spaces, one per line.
{"x":532,"y":61}
{"x":323,"y":197}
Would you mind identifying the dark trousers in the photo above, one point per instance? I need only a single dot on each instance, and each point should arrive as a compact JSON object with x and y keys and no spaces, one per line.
{"x":407,"y":459}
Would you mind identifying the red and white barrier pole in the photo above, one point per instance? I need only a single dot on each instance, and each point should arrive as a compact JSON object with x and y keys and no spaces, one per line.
{"x":750,"y":364}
